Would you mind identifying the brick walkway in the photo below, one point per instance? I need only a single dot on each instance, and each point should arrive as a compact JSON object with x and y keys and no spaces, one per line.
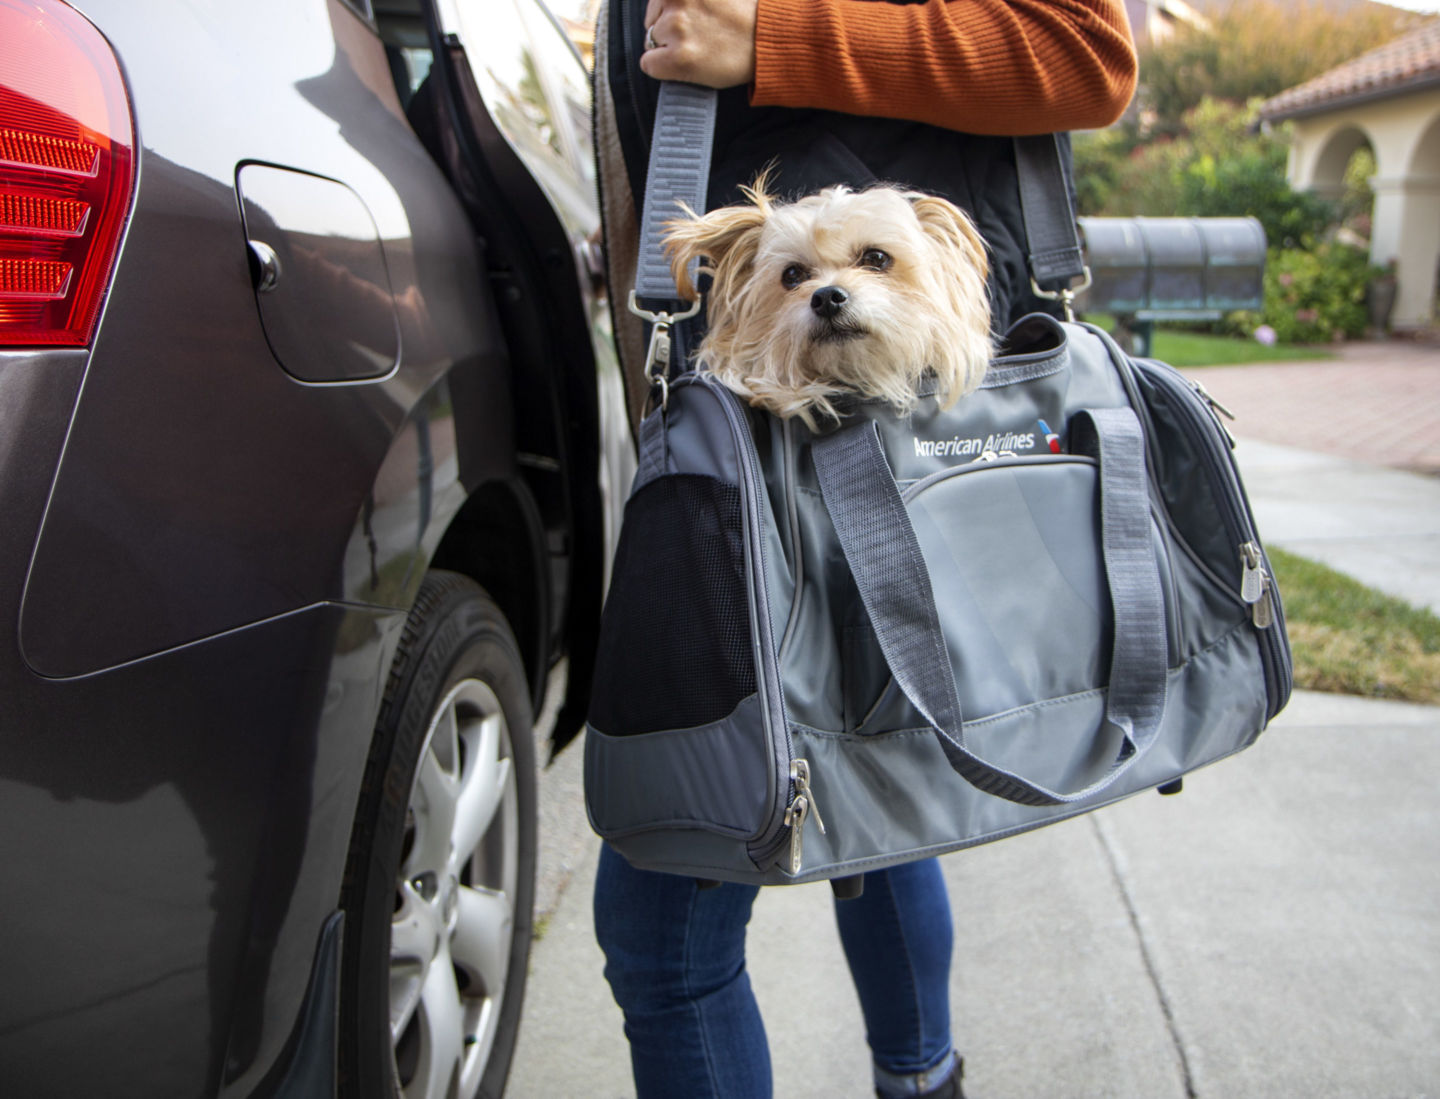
{"x":1377,"y":402}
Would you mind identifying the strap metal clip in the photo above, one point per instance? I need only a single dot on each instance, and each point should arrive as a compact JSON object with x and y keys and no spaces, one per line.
{"x":1065,"y":297}
{"x":657,"y":356}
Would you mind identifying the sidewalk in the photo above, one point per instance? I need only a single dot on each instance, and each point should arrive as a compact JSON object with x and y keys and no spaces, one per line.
{"x":1328,"y":453}
{"x":1273,"y":931}
{"x":1378,"y":402}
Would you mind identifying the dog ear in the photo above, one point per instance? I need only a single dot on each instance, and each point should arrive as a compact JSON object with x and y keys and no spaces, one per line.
{"x":727,"y":238}
{"x":962,"y":341}
{"x":952,"y":227}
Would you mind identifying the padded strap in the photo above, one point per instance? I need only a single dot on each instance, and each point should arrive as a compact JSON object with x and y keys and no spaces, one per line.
{"x":1054,"y":245}
{"x":884,"y":556}
{"x":679,"y":171}
{"x":1136,"y":700}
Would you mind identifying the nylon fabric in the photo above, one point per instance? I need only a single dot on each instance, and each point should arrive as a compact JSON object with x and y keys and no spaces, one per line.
{"x":879,"y":775}
{"x":1137,"y":666}
{"x":865,"y":691}
{"x":715,"y":776}
{"x":1054,"y":248}
{"x":893,"y":579}
{"x":679,"y":172}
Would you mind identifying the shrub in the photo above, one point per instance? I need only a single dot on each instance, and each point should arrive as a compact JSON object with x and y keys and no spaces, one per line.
{"x":1220,"y":167}
{"x":1258,"y":48}
{"x":1313,"y":295}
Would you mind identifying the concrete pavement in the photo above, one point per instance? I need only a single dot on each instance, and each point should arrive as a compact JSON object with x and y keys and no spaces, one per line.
{"x":1273,"y":931}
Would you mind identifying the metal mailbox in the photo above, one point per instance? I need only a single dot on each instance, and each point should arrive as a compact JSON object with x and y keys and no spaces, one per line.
{"x":1156,"y":268}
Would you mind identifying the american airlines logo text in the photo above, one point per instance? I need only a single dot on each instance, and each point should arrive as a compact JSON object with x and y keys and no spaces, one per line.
{"x":960,"y":447}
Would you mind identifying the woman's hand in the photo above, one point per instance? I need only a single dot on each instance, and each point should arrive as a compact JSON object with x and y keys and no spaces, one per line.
{"x":709,"y":42}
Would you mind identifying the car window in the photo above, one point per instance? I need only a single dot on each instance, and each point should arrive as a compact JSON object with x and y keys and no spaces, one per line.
{"x":536,"y":88}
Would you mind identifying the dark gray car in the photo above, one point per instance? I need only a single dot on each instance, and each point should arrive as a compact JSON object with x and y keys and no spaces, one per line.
{"x":305,"y":381}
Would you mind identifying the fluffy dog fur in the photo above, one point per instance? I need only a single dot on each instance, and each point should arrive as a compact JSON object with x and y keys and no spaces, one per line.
{"x":841,"y":293}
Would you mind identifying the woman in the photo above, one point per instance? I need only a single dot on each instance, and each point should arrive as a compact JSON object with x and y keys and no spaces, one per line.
{"x":925,"y":93}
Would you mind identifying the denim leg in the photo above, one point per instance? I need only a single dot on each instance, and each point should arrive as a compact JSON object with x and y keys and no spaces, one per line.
{"x":898,"y":937}
{"x":675,"y":960}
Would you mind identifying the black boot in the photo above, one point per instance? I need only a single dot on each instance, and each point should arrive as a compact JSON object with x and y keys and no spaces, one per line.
{"x":948,"y":1088}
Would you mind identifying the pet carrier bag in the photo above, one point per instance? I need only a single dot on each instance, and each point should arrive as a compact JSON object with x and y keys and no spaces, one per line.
{"x":823,"y":654}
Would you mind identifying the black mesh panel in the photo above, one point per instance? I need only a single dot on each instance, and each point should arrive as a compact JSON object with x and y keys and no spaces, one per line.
{"x":675,"y":637}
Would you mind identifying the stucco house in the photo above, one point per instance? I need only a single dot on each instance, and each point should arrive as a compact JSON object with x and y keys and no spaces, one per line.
{"x":1154,"y":21}
{"x":1389,"y":99}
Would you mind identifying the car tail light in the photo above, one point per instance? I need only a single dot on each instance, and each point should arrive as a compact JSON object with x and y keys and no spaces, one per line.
{"x":66,"y":173}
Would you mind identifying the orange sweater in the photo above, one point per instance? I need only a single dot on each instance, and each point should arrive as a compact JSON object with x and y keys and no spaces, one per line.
{"x":1006,"y":67}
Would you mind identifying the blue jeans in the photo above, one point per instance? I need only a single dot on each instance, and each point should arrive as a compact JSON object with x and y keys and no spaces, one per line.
{"x":675,"y":960}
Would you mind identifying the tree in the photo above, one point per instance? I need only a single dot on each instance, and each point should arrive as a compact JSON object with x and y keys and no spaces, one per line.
{"x":1256,"y":48}
{"x":1220,"y":165}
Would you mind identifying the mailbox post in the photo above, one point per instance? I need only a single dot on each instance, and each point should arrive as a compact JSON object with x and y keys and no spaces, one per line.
{"x":1145,"y":270}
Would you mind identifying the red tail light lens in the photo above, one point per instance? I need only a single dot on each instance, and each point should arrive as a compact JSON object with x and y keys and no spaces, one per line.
{"x":66,"y":173}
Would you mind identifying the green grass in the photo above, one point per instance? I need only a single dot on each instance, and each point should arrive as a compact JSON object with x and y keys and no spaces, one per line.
{"x":1351,"y":639}
{"x":1182,"y":348}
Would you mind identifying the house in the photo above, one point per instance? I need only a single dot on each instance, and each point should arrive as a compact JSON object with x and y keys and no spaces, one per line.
{"x":1389,"y":99}
{"x":1154,"y":21}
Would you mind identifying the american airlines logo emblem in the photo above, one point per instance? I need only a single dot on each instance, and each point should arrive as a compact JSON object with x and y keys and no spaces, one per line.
{"x":960,"y":447}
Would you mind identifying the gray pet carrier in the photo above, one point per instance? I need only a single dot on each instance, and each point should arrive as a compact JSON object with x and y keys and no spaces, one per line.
{"x":824,"y":654}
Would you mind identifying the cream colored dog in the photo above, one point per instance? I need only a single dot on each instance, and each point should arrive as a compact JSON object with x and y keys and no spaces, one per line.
{"x":844,"y":292}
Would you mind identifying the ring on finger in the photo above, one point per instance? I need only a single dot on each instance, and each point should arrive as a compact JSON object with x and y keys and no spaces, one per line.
{"x":650,"y":43}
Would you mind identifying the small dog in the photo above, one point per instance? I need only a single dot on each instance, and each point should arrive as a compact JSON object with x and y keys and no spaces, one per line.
{"x":844,"y":292}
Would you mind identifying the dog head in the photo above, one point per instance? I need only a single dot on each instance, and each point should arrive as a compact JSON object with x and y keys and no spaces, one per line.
{"x":842,"y":292}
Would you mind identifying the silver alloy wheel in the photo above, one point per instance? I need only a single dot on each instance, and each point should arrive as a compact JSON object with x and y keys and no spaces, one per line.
{"x":453,"y":925}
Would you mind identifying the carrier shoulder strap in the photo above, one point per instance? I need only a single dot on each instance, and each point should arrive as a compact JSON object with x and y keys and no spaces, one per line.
{"x":1053,"y":245}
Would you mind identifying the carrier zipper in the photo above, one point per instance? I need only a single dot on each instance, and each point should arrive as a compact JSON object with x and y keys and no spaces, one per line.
{"x":1218,"y":409}
{"x":990,"y":460}
{"x":1257,"y":589}
{"x":803,"y":805}
{"x":1255,"y":586}
{"x":765,"y":846}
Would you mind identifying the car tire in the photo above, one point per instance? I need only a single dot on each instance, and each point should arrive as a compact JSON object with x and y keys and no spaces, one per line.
{"x":439,"y":885}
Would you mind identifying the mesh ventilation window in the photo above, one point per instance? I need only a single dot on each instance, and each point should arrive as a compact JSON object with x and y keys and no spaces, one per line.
{"x":675,"y":646}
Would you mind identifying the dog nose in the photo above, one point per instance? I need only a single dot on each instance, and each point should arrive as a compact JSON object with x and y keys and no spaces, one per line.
{"x":828,"y":300}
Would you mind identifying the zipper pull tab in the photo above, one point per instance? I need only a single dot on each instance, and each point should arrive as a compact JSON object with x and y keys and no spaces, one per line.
{"x":1255,"y":586}
{"x":1217,"y":410}
{"x":1252,"y":573}
{"x":1263,"y":613}
{"x":799,"y":808}
{"x":800,"y":775}
{"x":795,"y":814}
{"x":1211,"y":401}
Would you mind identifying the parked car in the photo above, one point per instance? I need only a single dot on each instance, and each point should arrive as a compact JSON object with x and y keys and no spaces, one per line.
{"x":307,"y":412}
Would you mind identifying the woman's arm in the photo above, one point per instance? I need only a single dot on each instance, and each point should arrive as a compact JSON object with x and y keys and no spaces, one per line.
{"x":981,"y":66}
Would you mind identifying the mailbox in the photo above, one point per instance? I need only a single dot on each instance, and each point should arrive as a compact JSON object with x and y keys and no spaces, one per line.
{"x":1157,"y":268}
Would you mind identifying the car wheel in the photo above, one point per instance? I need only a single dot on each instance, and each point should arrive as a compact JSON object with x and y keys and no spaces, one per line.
{"x":440,"y":879}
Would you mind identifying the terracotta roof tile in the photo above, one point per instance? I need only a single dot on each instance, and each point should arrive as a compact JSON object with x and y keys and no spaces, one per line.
{"x":1412,"y":61}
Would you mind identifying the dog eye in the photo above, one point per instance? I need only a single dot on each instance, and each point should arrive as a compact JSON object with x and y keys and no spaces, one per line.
{"x":793,"y":276}
{"x":875,"y":259}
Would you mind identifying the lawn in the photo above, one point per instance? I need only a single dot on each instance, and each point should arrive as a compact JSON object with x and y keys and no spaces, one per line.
{"x":1181,"y":348}
{"x":1350,"y":639}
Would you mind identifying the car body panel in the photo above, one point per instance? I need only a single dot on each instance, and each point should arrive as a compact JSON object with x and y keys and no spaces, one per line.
{"x":203,"y":487}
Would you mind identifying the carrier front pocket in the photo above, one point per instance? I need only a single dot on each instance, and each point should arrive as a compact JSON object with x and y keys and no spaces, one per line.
{"x":983,"y":525}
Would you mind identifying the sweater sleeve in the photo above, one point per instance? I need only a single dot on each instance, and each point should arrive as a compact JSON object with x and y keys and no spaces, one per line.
{"x":1005,"y":67}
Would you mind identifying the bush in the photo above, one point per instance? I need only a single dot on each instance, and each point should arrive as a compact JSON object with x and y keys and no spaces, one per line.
{"x":1313,"y":295}
{"x":1258,"y":48}
{"x":1100,"y":156}
{"x":1220,"y":167}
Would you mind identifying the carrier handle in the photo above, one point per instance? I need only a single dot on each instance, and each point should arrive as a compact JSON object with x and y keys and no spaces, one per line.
{"x":884,"y":556}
